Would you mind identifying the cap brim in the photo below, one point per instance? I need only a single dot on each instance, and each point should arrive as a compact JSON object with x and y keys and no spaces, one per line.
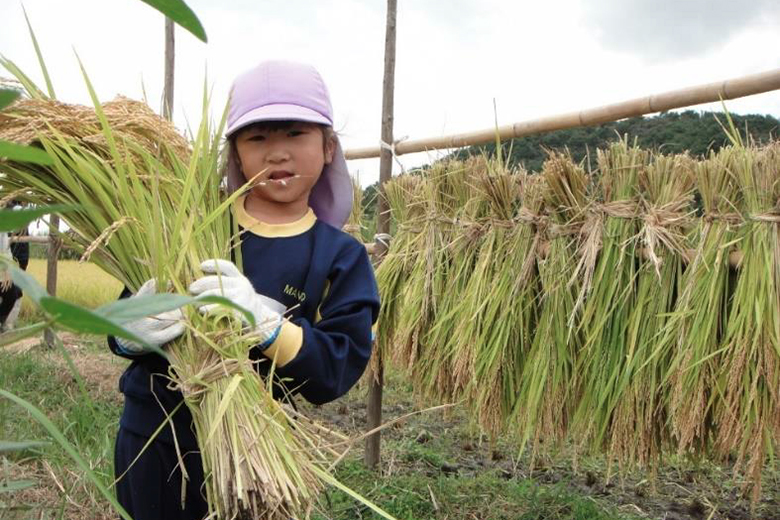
{"x":280,"y":112}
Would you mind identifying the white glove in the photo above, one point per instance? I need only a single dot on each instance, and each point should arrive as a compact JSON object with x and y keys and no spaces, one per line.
{"x":156,"y":330}
{"x":227,"y":281}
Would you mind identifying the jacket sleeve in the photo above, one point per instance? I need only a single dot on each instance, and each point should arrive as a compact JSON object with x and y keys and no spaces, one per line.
{"x":323,"y":360}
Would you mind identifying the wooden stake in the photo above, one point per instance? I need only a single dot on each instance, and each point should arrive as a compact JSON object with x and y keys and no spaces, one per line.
{"x":51,"y":269}
{"x":376,"y":380}
{"x":169,"y":67}
{"x":711,"y":92}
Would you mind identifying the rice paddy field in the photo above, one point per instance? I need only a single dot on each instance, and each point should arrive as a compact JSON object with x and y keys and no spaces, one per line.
{"x":84,"y":284}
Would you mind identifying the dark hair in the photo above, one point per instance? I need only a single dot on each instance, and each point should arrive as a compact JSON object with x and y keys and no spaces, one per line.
{"x":279,"y":126}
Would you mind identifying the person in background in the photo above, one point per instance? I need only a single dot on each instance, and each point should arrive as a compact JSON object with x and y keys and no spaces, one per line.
{"x":11,"y":294}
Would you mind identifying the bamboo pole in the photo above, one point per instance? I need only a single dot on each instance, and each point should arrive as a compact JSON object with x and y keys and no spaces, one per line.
{"x":729,"y":89}
{"x":51,"y":269}
{"x":169,"y":68}
{"x":374,"y":410}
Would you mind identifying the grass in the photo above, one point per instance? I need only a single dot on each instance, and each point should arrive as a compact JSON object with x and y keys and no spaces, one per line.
{"x":83,"y":284}
{"x":434,"y":465}
{"x":88,"y":420}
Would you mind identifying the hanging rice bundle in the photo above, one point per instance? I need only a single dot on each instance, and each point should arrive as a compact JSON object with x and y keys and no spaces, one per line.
{"x":148,"y":211}
{"x":748,"y":376}
{"x":508,"y":304}
{"x":429,"y":275}
{"x":694,"y":332}
{"x":404,"y":199}
{"x":639,"y":421}
{"x":545,"y":401}
{"x":445,"y":373}
{"x":608,"y":305}
{"x":355,"y":224}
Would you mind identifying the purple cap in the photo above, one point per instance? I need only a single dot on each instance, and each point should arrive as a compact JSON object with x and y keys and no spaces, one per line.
{"x":288,"y":91}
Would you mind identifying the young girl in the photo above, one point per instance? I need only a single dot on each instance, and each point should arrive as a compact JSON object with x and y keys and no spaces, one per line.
{"x":280,"y":126}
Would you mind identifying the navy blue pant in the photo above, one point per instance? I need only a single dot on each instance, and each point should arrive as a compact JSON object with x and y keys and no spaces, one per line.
{"x":151,"y":489}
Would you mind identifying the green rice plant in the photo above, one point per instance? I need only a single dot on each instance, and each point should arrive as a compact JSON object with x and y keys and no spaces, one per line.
{"x":639,"y":416}
{"x":606,"y":311}
{"x":747,"y":411}
{"x":545,"y":399}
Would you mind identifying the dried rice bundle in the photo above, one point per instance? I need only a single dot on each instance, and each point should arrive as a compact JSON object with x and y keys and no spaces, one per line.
{"x":508,"y":304}
{"x":443,"y":373}
{"x":355,"y":224}
{"x":694,"y":332}
{"x":545,"y":401}
{"x":403,"y":196}
{"x":639,"y":420}
{"x":27,"y":119}
{"x":608,"y":305}
{"x":748,"y":375}
{"x":429,"y":274}
{"x":148,"y":214}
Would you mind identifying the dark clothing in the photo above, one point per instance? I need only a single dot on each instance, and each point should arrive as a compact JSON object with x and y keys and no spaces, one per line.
{"x":151,"y":488}
{"x":325,"y":277}
{"x":21,"y":254}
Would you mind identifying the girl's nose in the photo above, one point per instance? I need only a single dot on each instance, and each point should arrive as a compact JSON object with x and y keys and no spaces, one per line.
{"x":278,"y":154}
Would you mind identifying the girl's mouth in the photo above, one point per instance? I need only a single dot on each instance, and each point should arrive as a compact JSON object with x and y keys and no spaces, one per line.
{"x":280,"y":175}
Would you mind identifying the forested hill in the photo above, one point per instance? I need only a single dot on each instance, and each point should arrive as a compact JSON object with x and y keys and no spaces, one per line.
{"x":670,"y":132}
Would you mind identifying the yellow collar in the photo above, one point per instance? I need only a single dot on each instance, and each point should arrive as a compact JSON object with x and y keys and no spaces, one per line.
{"x":290,"y":229}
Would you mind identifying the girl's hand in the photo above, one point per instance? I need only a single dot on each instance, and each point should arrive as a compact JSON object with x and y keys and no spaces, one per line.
{"x":155,"y":330}
{"x":227,"y":281}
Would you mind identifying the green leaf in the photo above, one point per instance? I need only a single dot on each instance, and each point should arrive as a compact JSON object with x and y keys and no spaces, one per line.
{"x":68,"y":447}
{"x":180,"y":13}
{"x":83,"y":320}
{"x":8,"y":96}
{"x":20,"y":446}
{"x":16,"y":485}
{"x":39,"y":54}
{"x":130,"y":309}
{"x":25,"y":281}
{"x":21,"y":153}
{"x":12,"y":336}
{"x":11,"y":220}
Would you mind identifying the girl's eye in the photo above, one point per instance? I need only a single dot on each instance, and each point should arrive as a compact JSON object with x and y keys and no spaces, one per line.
{"x":295,"y":133}
{"x":257,"y":137}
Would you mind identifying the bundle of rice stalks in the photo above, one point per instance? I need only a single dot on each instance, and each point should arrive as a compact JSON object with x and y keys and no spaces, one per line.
{"x":129,"y":119}
{"x":748,"y":375}
{"x":355,"y":224}
{"x":613,"y":226}
{"x":428,"y":277}
{"x":443,"y":374}
{"x":693,"y":333}
{"x":507,"y":304}
{"x":403,"y":196}
{"x":545,"y":399}
{"x":639,"y":416}
{"x":146,"y":213}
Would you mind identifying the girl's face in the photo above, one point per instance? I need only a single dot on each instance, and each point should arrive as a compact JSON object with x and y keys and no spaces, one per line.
{"x":283,"y":162}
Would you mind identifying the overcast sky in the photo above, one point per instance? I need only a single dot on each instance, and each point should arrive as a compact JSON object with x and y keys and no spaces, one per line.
{"x":454,"y":58}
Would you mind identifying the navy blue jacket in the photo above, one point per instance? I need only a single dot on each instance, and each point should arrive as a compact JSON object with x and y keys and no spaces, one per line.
{"x":325,"y":277}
